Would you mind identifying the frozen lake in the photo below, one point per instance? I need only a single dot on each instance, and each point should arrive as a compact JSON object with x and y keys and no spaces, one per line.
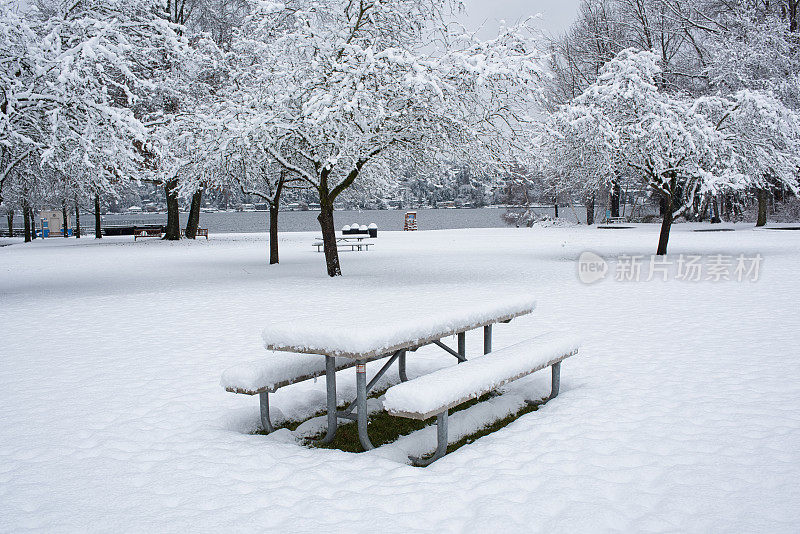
{"x":306,"y":221}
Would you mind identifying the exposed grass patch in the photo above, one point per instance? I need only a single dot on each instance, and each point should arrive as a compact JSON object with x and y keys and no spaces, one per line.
{"x":385,"y":428}
{"x":497,"y":425}
{"x":293,"y":424}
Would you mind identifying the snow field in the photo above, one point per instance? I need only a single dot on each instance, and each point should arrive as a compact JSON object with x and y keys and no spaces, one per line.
{"x":679,"y":414}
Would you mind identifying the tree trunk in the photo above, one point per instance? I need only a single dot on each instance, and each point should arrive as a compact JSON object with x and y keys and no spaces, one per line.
{"x":10,"y":217}
{"x":715,"y":211}
{"x":98,"y":231}
{"x":26,"y":216}
{"x":65,"y":226}
{"x":726,"y":207}
{"x":702,"y":210}
{"x":32,"y":217}
{"x":273,"y":233}
{"x":77,"y":220}
{"x":194,"y":214}
{"x":173,"y":220}
{"x":555,"y":209}
{"x":590,"y":211}
{"x":615,"y":194}
{"x":762,"y":207}
{"x":325,"y":219}
{"x":666,"y":224}
{"x":274,"y":207}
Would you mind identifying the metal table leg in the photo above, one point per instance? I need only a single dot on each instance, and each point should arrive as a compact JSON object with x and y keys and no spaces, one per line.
{"x":401,"y":367}
{"x":441,"y":442}
{"x":462,"y":346}
{"x":266,"y":423}
{"x":487,"y":339}
{"x":555,"y":382}
{"x":330,"y":387}
{"x":361,"y":401}
{"x":372,"y":382}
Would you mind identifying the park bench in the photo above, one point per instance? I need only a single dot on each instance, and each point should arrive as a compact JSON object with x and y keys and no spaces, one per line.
{"x":200,"y":232}
{"x":615,"y":220}
{"x":146,"y":232}
{"x":437,"y":392}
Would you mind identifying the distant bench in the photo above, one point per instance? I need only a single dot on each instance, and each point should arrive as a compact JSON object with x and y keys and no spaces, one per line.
{"x":200,"y":232}
{"x":146,"y":232}
{"x":159,"y":232}
{"x":437,"y":392}
{"x":615,"y":220}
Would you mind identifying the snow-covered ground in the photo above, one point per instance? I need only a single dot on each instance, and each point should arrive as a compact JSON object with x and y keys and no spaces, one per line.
{"x":680,"y":413}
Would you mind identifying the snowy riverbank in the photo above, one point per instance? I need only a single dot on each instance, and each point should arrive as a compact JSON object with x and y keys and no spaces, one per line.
{"x":679,"y":413}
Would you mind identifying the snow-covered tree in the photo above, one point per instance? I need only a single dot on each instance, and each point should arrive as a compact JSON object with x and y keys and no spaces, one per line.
{"x":71,"y":74}
{"x":675,"y":150}
{"x":756,"y":49}
{"x":764,"y":135}
{"x":209,"y":26}
{"x":352,"y":84}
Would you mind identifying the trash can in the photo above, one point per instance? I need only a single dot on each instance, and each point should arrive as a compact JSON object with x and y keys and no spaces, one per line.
{"x":373,"y":230}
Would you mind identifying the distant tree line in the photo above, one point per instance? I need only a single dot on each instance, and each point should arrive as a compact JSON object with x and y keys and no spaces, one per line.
{"x":694,"y":103}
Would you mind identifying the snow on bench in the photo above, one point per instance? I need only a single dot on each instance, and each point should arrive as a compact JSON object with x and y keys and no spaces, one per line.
{"x":275,"y":371}
{"x":437,"y":392}
{"x":430,"y":394}
{"x":265,"y":376}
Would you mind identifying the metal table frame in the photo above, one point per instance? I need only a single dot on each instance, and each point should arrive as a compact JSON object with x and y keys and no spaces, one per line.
{"x":363,"y":387}
{"x":395,"y":354}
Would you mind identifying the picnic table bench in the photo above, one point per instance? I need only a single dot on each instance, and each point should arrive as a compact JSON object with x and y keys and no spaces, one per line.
{"x":437,"y":392}
{"x":320,"y":348}
{"x":615,"y":220}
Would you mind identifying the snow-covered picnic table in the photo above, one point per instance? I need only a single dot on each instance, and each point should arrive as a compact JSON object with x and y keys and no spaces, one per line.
{"x":354,"y":241}
{"x":323,"y":344}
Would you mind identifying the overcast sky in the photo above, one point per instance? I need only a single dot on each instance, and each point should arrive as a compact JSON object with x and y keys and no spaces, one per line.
{"x":557,"y":15}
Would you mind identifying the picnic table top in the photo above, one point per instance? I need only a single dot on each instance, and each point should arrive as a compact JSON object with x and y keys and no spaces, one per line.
{"x":387,"y":330}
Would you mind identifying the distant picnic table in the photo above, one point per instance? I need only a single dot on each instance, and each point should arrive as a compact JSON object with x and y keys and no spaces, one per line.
{"x":354,"y":242}
{"x":324,"y":344}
